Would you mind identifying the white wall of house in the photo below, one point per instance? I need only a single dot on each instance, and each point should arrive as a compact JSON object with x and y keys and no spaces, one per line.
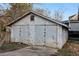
{"x":62,"y":34}
{"x":38,"y":32}
{"x":74,"y":26}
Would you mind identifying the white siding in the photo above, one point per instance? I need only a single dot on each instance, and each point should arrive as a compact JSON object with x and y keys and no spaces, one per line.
{"x":24,"y":34}
{"x":37,"y":21}
{"x":37,"y":32}
{"x":59,"y":36}
{"x":32,"y":35}
{"x":51,"y":36}
{"x":64,"y":35}
{"x":15,"y":33}
{"x":24,"y":21}
{"x":74,"y":26}
{"x":39,"y":35}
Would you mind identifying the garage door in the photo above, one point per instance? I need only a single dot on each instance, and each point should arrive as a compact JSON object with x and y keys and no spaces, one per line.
{"x":15,"y":35}
{"x":20,"y":33}
{"x":45,"y":35}
{"x":51,"y":36}
{"x":39,"y":35}
{"x":24,"y":34}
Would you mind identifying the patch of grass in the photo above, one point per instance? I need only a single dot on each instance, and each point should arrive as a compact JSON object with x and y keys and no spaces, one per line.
{"x":12,"y":46}
{"x":65,"y":52}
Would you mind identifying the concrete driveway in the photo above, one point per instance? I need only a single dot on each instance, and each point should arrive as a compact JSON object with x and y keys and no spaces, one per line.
{"x":31,"y":51}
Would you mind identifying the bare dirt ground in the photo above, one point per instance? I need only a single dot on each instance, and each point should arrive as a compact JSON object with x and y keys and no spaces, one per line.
{"x":31,"y":51}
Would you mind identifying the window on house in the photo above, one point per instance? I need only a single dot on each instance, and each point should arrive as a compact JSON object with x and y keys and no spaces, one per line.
{"x":32,"y":17}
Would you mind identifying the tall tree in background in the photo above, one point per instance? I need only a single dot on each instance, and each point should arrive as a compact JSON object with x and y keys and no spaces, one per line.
{"x":58,"y":15}
{"x":2,"y":11}
{"x":42,"y":11}
{"x":18,"y":9}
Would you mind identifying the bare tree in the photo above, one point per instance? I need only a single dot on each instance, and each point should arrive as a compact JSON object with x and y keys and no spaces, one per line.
{"x":42,"y":11}
{"x":58,"y":14}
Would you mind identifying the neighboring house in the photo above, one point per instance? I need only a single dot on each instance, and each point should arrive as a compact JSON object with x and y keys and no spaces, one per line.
{"x":36,"y":29}
{"x":74,"y":26}
{"x":73,"y":23}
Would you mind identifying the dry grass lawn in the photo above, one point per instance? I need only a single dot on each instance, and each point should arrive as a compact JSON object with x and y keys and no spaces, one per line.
{"x":71,"y":48}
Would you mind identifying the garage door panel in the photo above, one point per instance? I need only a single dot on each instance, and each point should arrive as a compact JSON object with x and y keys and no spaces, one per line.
{"x":15,"y":34}
{"x":51,"y":36}
{"x":39,"y":35}
{"x":24,"y":34}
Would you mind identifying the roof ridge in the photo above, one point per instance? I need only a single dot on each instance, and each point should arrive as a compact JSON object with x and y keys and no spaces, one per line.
{"x":39,"y":14}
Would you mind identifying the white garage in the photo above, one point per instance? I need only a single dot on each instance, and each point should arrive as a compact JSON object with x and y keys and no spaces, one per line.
{"x":36,"y":29}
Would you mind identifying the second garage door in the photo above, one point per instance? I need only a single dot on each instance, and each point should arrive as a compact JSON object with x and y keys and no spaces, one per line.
{"x":45,"y":35}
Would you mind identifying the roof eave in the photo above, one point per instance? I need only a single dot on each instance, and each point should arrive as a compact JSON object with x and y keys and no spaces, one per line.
{"x":31,"y":11}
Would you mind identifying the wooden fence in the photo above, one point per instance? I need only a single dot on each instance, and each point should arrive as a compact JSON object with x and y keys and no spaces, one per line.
{"x":4,"y":37}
